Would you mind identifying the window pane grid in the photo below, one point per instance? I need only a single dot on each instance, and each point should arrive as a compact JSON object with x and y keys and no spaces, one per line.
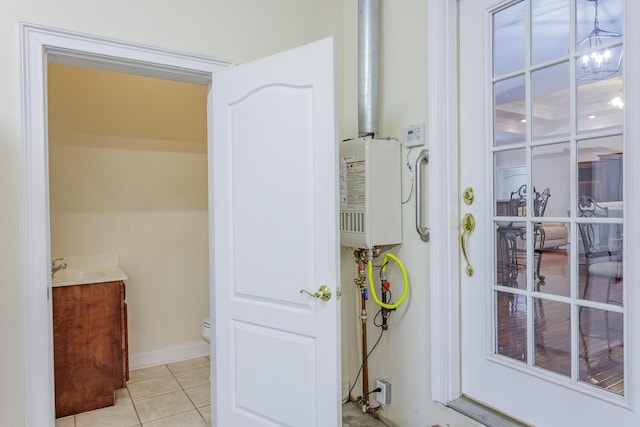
{"x":541,"y":109}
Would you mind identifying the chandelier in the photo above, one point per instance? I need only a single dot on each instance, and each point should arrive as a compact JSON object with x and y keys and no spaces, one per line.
{"x":599,"y":63}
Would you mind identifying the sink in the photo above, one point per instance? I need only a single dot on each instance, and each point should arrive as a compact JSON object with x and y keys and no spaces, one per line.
{"x":77,"y":275}
{"x":87,"y":269}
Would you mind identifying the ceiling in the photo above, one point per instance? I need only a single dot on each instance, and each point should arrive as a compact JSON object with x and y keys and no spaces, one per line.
{"x":551,"y":79}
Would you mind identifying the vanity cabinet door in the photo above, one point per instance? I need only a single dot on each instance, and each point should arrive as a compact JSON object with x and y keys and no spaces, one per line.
{"x":89,"y":328}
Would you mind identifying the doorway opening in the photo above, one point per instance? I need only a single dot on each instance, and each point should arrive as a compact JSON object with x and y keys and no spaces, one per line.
{"x":42,"y":46}
{"x":128,"y":176}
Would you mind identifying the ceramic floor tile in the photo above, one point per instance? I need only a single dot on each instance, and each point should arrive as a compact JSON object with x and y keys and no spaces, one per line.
{"x":200,"y":395}
{"x":112,"y":416}
{"x":66,"y":422}
{"x":160,"y":401}
{"x":205,"y":411}
{"x":193,"y":378}
{"x":153,"y":387}
{"x":162,"y":406}
{"x":186,"y":419}
{"x":122,"y":396}
{"x":188,"y":365}
{"x":147,"y":373}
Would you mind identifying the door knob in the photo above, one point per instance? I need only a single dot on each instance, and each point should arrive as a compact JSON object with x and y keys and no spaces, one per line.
{"x":468,"y":226}
{"x":324,"y":293}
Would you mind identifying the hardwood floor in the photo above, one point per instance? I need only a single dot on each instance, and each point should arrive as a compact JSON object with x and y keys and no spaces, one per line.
{"x":599,"y":339}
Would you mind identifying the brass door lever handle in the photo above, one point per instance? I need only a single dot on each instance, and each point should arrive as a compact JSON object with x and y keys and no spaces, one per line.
{"x":468,"y":226}
{"x":324,"y":293}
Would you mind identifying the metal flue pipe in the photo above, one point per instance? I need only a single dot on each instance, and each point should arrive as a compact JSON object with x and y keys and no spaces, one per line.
{"x":368,"y":59}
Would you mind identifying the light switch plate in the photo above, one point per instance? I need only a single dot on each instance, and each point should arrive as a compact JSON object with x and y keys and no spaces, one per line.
{"x":414,"y":135}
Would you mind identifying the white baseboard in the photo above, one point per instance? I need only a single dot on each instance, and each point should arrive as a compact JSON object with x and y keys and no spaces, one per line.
{"x":168,"y":355}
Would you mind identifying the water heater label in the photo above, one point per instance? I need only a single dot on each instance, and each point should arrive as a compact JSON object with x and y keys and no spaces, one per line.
{"x":352,"y":181}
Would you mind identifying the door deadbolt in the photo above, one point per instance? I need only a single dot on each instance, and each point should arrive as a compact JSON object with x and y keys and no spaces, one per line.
{"x":468,"y":196}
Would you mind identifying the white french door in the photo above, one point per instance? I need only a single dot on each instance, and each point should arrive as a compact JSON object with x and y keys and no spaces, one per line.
{"x":545,"y":145}
{"x":273,"y":189}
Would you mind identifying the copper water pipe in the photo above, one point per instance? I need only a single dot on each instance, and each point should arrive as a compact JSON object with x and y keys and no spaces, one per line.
{"x":361,"y":259}
{"x":365,"y":363}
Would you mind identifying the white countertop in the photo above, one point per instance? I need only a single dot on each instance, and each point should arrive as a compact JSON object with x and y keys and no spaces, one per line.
{"x":84,"y":270}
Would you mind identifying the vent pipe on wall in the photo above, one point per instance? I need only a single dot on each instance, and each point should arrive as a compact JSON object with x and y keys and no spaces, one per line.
{"x":368,"y":58}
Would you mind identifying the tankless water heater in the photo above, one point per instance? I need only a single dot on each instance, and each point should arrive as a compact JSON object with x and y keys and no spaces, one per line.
{"x":370,"y":193}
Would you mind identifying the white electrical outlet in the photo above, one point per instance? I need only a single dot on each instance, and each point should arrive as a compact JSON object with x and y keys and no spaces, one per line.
{"x":414,"y":135}
{"x":384,"y":395}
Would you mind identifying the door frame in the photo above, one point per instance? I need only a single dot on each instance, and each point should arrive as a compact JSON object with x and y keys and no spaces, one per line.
{"x":442,"y":101}
{"x":442,"y":135}
{"x":39,"y":45}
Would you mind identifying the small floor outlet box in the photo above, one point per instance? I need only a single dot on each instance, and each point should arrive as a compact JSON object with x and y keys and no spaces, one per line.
{"x":384,"y":395}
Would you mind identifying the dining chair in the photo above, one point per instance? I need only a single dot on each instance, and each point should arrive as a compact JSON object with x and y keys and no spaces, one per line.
{"x":602,"y":254}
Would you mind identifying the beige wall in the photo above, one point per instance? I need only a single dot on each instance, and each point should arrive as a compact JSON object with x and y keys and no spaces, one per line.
{"x":403,"y":355}
{"x":128,"y":175}
{"x":239,"y":30}
{"x":226,"y":29}
{"x":150,"y":207}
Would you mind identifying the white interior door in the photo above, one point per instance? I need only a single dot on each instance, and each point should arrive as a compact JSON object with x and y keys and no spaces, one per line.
{"x":273,"y":191}
{"x":546,"y":333}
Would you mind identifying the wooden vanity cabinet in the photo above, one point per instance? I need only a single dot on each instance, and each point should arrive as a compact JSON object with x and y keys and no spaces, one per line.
{"x":90,"y":345}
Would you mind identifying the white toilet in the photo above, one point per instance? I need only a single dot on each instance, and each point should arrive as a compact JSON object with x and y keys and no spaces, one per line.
{"x":205,"y":331}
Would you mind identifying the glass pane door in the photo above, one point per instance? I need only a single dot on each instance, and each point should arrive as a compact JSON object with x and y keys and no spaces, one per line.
{"x":557,"y":155}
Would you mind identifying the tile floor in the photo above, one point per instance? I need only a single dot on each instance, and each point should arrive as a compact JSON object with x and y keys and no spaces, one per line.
{"x":173,"y":395}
